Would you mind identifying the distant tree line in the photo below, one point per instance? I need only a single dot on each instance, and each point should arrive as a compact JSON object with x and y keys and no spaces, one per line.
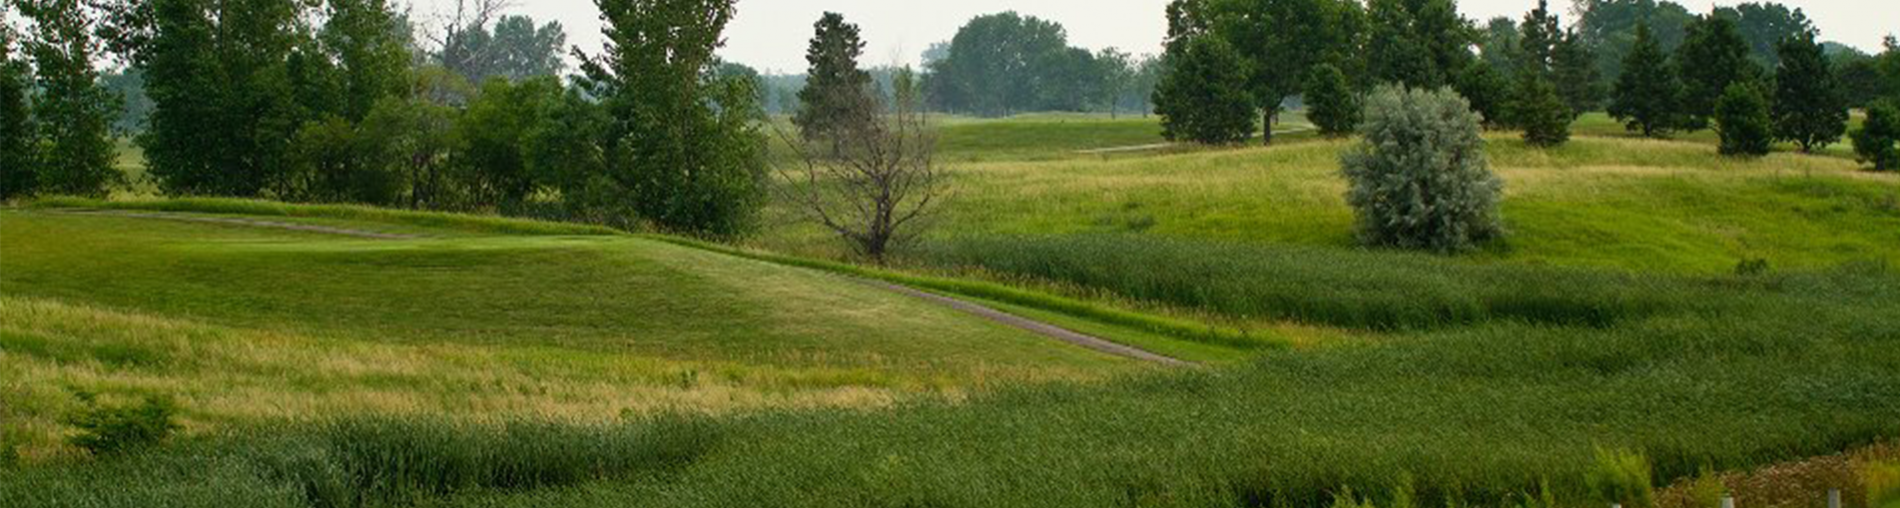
{"x":1756,"y":73}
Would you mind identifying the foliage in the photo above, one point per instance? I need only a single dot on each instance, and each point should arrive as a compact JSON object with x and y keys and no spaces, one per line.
{"x":1420,"y":43}
{"x":1281,"y":42}
{"x":1500,"y":44}
{"x":1006,"y":63}
{"x":835,"y":87}
{"x":1648,"y":94}
{"x":1622,"y":477}
{"x":492,"y":141}
{"x":1574,"y":70}
{"x":683,"y":150}
{"x":1764,"y":25}
{"x":1203,"y":97}
{"x":72,"y":112}
{"x":1332,"y":104}
{"x":18,"y":176}
{"x":1742,"y":119}
{"x":1488,"y":91}
{"x":1712,"y":56}
{"x":514,"y":49}
{"x":1809,"y":108}
{"x":1875,"y":142}
{"x":411,"y":141}
{"x":1420,"y":179}
{"x":366,"y":41}
{"x":1610,"y":27}
{"x":1538,"y":109}
{"x":108,"y":430}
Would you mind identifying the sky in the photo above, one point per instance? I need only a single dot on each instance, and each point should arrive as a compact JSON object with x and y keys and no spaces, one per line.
{"x":771,"y":34}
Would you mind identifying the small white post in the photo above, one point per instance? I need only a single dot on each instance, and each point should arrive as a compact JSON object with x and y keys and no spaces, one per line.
{"x":1834,"y":498}
{"x":1728,"y":501}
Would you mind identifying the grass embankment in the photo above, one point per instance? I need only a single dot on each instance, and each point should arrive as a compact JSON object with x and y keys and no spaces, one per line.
{"x":248,"y":324}
{"x":1759,"y":372}
{"x":1637,"y":205}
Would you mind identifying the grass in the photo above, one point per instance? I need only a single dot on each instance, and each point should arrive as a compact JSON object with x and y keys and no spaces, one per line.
{"x":246,"y":325}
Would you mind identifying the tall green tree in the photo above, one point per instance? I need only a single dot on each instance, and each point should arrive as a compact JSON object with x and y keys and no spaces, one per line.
{"x":1764,"y":25}
{"x":1331,"y":102}
{"x":515,"y":48}
{"x":493,"y":166}
{"x":74,"y":111}
{"x":1741,"y":119}
{"x":1488,"y":91}
{"x":834,"y":86}
{"x":1712,"y":56}
{"x":1574,"y":71}
{"x":1501,"y":44}
{"x":1810,"y":109}
{"x":1541,"y":33}
{"x":1203,"y":97}
{"x":1119,"y":71}
{"x":1006,"y":63}
{"x":1609,"y":27}
{"x":371,"y":47}
{"x":18,"y":170}
{"x":1282,"y":41}
{"x":1648,"y":94}
{"x":683,"y":151}
{"x":1420,"y":43}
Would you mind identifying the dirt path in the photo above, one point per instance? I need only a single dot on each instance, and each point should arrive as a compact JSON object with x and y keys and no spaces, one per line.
{"x":309,"y":228}
{"x":1026,"y":324}
{"x":1163,"y":146}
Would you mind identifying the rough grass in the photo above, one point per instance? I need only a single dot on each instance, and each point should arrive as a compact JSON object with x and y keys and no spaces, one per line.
{"x":246,"y":324}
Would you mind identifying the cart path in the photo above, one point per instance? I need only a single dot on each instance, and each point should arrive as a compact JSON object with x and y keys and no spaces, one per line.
{"x":1033,"y":326}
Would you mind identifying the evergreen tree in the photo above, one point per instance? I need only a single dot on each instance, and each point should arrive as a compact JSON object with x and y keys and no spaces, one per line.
{"x":1741,"y":118}
{"x":1488,"y":92}
{"x":1875,"y":142}
{"x":1331,"y":104}
{"x":1540,"y":111}
{"x":1810,"y":109}
{"x":1203,"y":97}
{"x":1574,"y":70}
{"x":1540,"y":38}
{"x":835,"y":87}
{"x":1712,"y":56}
{"x":1647,"y":93}
{"x":74,"y":111}
{"x":18,"y":176}
{"x":683,"y":151}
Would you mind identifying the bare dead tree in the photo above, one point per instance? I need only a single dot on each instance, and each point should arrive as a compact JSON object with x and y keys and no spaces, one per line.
{"x":878,"y":190}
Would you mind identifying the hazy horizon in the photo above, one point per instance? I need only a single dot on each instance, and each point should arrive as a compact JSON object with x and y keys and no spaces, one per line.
{"x":771,"y":34}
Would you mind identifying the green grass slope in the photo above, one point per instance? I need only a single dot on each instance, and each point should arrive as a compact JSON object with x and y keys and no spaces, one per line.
{"x":249,"y":323}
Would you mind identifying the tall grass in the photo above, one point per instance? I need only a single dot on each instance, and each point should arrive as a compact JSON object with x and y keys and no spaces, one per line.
{"x":443,"y":220}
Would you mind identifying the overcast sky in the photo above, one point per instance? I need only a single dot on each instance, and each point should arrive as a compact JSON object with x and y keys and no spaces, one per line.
{"x":771,"y":34}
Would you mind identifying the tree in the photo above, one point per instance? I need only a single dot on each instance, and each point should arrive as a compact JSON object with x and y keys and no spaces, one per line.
{"x":1875,"y":142}
{"x":1764,"y":25}
{"x":492,"y":166}
{"x":74,"y":112}
{"x":412,"y":140}
{"x":1006,"y":63}
{"x":1609,"y":27}
{"x":1419,"y":179}
{"x":878,"y":191}
{"x":18,"y":173}
{"x":370,"y":49}
{"x":1281,"y":41}
{"x":832,"y":81}
{"x":1501,"y":44}
{"x":1540,"y":36}
{"x":1540,"y":111}
{"x":1203,"y":97}
{"x":1859,"y":77}
{"x":1647,"y":94}
{"x":1420,"y":43}
{"x":683,"y":150}
{"x":1712,"y":56}
{"x":515,"y":49}
{"x":1118,"y":76}
{"x":1809,"y":107}
{"x":1331,"y":104}
{"x":1488,"y":93}
{"x":1574,"y":71}
{"x":1741,"y":118}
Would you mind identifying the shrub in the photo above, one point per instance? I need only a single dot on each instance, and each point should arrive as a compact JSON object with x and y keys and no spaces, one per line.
{"x":1541,"y":112}
{"x":1874,"y":142}
{"x":1420,"y":179}
{"x":1204,"y":97}
{"x":107,"y":430}
{"x":1741,"y":118}
{"x":1622,"y":477}
{"x":1332,"y":105}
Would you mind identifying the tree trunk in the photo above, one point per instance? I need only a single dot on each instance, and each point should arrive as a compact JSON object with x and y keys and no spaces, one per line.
{"x":1266,"y":127}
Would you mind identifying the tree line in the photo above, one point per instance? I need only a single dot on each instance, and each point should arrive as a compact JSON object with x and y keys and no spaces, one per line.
{"x":1755,"y":73}
{"x":337,"y":102}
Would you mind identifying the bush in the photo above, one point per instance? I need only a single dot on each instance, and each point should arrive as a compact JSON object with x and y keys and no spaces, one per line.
{"x":1332,"y":106}
{"x":108,"y":430}
{"x":1541,"y":112}
{"x":1742,"y":119}
{"x":1622,"y":477}
{"x":1874,"y":142}
{"x":1420,"y":179}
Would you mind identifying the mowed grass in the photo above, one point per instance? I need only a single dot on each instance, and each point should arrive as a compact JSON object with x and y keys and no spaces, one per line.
{"x":249,"y":324}
{"x":1627,"y":204}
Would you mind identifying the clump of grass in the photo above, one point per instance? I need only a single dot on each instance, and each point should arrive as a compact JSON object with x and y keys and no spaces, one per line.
{"x":1622,"y":477}
{"x":1883,"y":483}
{"x":106,"y":429}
